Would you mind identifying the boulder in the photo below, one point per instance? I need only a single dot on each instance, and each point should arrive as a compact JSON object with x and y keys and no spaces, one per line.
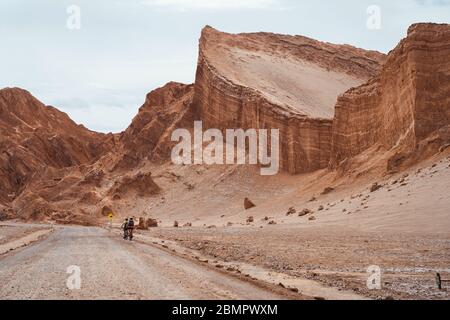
{"x":143,"y":225}
{"x":291,"y":211}
{"x":327,"y":190}
{"x":304,"y":212}
{"x":375,"y":187}
{"x":152,"y":223}
{"x":248,"y":204}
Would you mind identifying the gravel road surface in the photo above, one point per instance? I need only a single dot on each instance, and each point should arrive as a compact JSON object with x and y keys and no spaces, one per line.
{"x":112,"y":268}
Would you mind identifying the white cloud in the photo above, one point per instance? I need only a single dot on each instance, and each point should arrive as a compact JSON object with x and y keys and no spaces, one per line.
{"x":186,"y":5}
{"x":433,"y":2}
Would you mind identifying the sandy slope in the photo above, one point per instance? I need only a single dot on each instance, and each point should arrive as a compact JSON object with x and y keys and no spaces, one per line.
{"x":215,"y":196}
{"x":300,"y":73}
{"x":403,"y":227}
{"x":13,"y":236}
{"x":297,"y":84}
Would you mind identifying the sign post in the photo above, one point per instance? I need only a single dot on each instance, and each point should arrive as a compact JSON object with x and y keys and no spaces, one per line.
{"x":110,"y":217}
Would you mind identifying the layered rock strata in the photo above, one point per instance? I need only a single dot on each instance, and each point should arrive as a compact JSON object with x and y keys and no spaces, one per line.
{"x":404,"y":104}
{"x":269,"y":81}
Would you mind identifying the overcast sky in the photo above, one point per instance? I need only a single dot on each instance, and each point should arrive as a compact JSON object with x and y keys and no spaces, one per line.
{"x":99,"y":74}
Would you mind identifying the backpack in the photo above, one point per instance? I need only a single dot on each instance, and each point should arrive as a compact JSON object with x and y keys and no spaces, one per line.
{"x":131,"y":223}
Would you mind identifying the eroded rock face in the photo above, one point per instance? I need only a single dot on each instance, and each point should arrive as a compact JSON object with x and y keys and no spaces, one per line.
{"x":52,"y":169}
{"x":80,"y":182}
{"x":34,"y":137}
{"x":402,"y":106}
{"x":141,"y":184}
{"x":289,"y":83}
{"x":5,"y":212}
{"x":148,"y":137}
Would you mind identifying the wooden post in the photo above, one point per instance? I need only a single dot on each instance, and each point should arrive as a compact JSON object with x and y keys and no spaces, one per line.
{"x":439,"y":281}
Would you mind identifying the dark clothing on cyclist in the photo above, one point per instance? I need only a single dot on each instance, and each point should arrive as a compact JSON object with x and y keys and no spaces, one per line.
{"x":130,"y":228}
{"x":125,"y":229}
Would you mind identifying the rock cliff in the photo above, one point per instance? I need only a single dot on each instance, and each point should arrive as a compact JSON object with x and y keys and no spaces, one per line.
{"x":407,"y":102}
{"x":330,"y":103}
{"x":290,"y":83}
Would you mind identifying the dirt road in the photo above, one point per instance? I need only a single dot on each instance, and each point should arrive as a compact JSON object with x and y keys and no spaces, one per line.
{"x":112,"y":268}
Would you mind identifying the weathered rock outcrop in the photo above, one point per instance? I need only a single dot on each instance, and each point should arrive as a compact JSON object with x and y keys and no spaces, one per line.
{"x":148,"y":137}
{"x":5,"y":212}
{"x":288,"y":83}
{"x":141,"y":184}
{"x":88,"y":170}
{"x":408,"y":101}
{"x":34,"y":137}
{"x":53,"y":169}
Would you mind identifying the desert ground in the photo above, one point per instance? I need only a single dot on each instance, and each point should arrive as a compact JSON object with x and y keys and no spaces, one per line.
{"x":402,"y":227}
{"x":112,"y":268}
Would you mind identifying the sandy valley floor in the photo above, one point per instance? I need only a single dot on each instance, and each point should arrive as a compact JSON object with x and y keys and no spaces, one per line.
{"x":403,"y":227}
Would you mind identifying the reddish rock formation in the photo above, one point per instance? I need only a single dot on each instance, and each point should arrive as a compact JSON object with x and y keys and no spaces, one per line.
{"x":142,"y":225}
{"x":140,"y":184}
{"x":5,"y":212}
{"x":145,"y":224}
{"x":53,"y":169}
{"x":148,"y":136}
{"x":75,"y":180}
{"x":402,"y":106}
{"x":34,"y":137}
{"x":152,"y":223}
{"x":290,"y":83}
